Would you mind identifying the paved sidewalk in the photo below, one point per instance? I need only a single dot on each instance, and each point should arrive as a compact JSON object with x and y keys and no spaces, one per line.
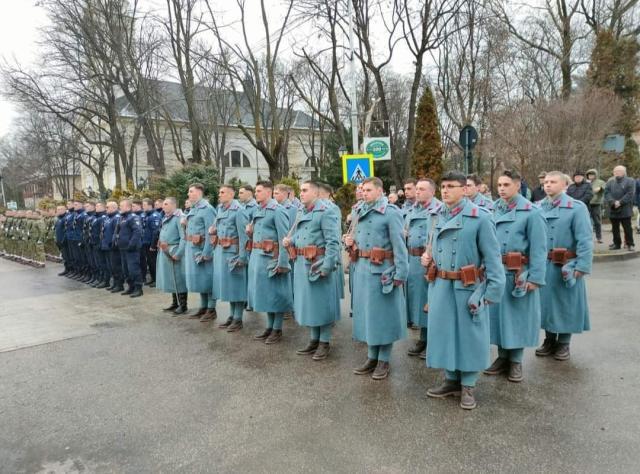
{"x":135,"y":391}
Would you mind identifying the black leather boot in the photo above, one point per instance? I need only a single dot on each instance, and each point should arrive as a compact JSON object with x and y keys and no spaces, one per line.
{"x":182,"y":305}
{"x":174,"y":303}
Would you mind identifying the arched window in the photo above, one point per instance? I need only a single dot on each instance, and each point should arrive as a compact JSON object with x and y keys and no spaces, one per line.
{"x":236,"y":159}
{"x":310,"y":162}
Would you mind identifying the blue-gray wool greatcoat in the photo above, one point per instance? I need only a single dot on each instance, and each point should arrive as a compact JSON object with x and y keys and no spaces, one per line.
{"x":456,"y":339}
{"x":482,"y":201}
{"x":230,"y":260}
{"x":565,"y":309}
{"x":333,"y":207}
{"x":316,"y":301}
{"x":520,"y":227}
{"x":418,"y":221}
{"x":268,"y":291}
{"x":379,"y":307}
{"x":170,"y":276}
{"x":198,"y":266}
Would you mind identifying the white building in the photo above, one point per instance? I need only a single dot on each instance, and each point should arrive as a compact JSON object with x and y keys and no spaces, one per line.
{"x":241,"y":160}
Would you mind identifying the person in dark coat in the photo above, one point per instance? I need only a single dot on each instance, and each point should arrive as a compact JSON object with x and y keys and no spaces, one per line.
{"x":580,"y":189}
{"x":538,"y":194}
{"x":619,"y":194}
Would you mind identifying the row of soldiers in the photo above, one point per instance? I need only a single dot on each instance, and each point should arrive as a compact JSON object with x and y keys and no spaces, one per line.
{"x":466,"y":271}
{"x":106,"y":245}
{"x":27,"y":237}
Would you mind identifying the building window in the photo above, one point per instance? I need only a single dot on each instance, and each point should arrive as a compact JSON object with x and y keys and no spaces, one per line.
{"x":310,"y":162}
{"x":236,"y":159}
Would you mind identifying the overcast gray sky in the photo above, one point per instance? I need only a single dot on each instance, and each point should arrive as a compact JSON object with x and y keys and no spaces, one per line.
{"x":20,"y":20}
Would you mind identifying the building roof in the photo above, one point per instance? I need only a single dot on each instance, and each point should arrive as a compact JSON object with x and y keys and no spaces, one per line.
{"x":169,"y":101}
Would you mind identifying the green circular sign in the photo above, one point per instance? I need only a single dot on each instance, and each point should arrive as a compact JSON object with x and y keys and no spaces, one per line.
{"x":378,"y":149}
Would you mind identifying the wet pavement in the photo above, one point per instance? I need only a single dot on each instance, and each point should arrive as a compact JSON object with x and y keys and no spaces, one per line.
{"x":101,"y":383}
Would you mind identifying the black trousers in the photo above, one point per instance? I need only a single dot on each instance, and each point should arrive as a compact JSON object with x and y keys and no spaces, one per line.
{"x":116,"y":267}
{"x":151,"y":259}
{"x":66,"y":258}
{"x":144,"y":250}
{"x":626,"y":227}
{"x":594,"y":210}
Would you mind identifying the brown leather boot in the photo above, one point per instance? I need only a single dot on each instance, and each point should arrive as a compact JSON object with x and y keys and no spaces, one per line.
{"x":198,"y":314}
{"x":227,"y":323}
{"x":263,"y":335}
{"x":498,"y":367}
{"x":382,"y":370}
{"x":467,"y":400}
{"x":322,"y":352}
{"x":547,"y":347}
{"x":368,"y":367}
{"x":235,"y":326}
{"x":209,"y":315}
{"x":417,"y":348}
{"x":562,"y":351}
{"x":310,"y":349}
{"x":274,"y":337}
{"x":515,"y":372}
{"x":449,"y":388}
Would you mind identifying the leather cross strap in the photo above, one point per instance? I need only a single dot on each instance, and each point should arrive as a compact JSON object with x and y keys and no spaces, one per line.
{"x":416,"y":251}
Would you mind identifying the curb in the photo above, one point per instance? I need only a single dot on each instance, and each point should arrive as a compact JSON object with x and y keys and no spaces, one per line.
{"x":613,"y":257}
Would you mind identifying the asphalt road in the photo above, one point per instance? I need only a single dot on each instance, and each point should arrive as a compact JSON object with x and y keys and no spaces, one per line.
{"x":91,"y":382}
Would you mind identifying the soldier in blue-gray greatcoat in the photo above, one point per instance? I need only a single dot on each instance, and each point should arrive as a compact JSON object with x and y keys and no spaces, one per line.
{"x":381,"y":265}
{"x":314,"y":242}
{"x":467,"y":277}
{"x":198,"y":264}
{"x":418,"y":224}
{"x":170,"y":275}
{"x":521,"y":233}
{"x":565,"y":309}
{"x":269,"y":277}
{"x":228,"y":238}
{"x":474,"y":195}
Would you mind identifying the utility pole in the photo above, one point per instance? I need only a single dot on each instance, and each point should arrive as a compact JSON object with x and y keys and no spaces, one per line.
{"x":4,"y":198}
{"x":353,"y":96}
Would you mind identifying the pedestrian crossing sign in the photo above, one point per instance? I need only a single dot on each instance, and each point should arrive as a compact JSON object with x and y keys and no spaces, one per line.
{"x":356,"y":168}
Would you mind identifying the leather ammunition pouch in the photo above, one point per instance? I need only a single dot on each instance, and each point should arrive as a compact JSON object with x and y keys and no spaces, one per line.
{"x":416,"y":251}
{"x":213,"y":239}
{"x":560,"y":256}
{"x":310,"y":252}
{"x":353,"y":253}
{"x":468,"y":275}
{"x":249,"y":245}
{"x":432,"y":272}
{"x":195,"y":239}
{"x":514,"y":261}
{"x":291,"y":251}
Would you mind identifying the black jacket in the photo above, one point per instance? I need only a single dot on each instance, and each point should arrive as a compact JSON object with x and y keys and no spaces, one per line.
{"x":538,"y":193}
{"x":582,"y":192}
{"x":623,"y":190}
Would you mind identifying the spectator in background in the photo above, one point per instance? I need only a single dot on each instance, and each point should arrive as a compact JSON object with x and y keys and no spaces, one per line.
{"x":619,"y":195}
{"x":485,"y":191}
{"x":637,"y":204}
{"x":580,"y":189}
{"x":524,"y":189}
{"x":393,"y":198}
{"x":595,"y":206}
{"x":538,"y":193}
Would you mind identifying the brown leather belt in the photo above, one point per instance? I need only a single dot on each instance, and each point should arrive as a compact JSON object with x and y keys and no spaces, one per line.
{"x":416,"y":251}
{"x":267,"y":246}
{"x":383,"y":255}
{"x":225,"y":242}
{"x":474,"y":275}
{"x":560,"y":256}
{"x":309,"y":251}
{"x":196,"y":239}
